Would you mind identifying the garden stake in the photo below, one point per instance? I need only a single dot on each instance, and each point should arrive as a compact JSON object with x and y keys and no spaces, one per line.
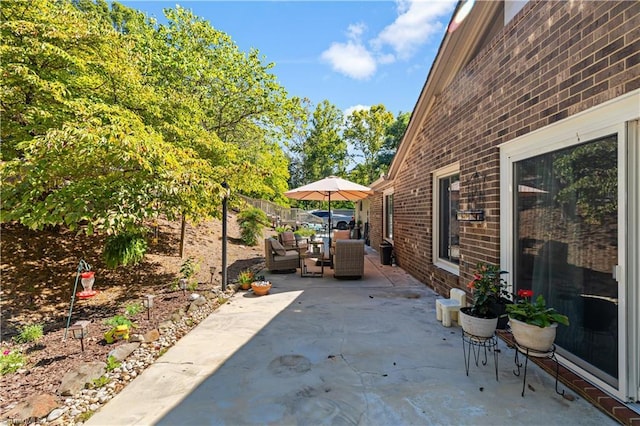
{"x":82,"y":266}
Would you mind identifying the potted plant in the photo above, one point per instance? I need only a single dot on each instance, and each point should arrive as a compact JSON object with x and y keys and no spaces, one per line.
{"x":245,"y":278}
{"x":487,"y":288}
{"x":261,"y":286}
{"x":533,"y":324}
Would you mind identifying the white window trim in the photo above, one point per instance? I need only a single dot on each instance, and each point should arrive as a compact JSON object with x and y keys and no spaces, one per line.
{"x":385,"y":194}
{"x":602,"y":120}
{"x":437,"y":175}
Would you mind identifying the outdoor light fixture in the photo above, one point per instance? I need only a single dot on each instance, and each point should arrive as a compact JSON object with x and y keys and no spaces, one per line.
{"x":460,"y":16}
{"x":212,"y":271}
{"x":147,"y":302}
{"x":79,"y":331}
{"x":183,"y":285}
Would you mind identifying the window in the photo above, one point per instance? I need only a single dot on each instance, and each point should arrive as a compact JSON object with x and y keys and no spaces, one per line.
{"x":446,"y":241}
{"x":388,"y":216}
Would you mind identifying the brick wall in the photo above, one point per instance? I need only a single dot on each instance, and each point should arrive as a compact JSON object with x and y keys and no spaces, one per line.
{"x":553,"y":60}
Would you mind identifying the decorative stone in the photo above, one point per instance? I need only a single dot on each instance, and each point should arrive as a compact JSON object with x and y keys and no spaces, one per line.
{"x":35,"y":406}
{"x":55,"y":414}
{"x":152,"y":336}
{"x":136,"y":338}
{"x":77,"y":377}
{"x":123,"y":351}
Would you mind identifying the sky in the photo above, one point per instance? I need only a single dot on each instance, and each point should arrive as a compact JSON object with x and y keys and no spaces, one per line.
{"x":354,"y":54}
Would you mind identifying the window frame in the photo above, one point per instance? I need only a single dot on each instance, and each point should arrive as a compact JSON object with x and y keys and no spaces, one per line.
{"x":438,"y":175}
{"x":385,"y":215}
{"x":612,"y":117}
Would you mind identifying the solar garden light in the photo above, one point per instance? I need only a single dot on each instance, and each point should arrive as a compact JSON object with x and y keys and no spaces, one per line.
{"x":147,"y":302}
{"x":79,"y":331}
{"x":212,"y":271}
{"x":183,"y":285}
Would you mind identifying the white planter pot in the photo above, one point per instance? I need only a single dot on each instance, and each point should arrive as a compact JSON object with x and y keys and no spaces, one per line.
{"x":533,"y":337}
{"x":480,"y":327}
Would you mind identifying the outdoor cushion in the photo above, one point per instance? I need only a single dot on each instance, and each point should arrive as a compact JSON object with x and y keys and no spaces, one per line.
{"x":288,"y":239}
{"x":277,"y":247}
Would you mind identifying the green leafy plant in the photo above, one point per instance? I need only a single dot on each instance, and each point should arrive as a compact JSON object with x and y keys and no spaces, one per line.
{"x":534,"y":313}
{"x":99,"y":382}
{"x":245,"y":278}
{"x":83,"y":417}
{"x":188,"y":268}
{"x":133,"y":309}
{"x":11,"y":361}
{"x":112,"y":363}
{"x":305,"y":232}
{"x":193,"y":285}
{"x":487,"y":287}
{"x":252,"y":221}
{"x":117,"y":320}
{"x":29,"y":333}
{"x":124,"y":249}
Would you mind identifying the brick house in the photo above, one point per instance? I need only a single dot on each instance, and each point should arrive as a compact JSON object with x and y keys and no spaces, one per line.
{"x":523,"y":150}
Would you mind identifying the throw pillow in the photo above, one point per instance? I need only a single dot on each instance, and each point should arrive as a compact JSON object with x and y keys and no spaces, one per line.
{"x":277,"y":247}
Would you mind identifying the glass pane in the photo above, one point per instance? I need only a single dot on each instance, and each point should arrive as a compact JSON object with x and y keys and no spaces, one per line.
{"x":449,"y":237}
{"x":566,"y":234}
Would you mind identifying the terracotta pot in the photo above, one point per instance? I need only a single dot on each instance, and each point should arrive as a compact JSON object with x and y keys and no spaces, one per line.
{"x":245,"y":286}
{"x":260,"y":289}
{"x":476,"y":326}
{"x":533,"y":337}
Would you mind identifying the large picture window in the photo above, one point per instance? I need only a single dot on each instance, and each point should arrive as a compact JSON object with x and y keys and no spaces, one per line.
{"x":446,"y":203}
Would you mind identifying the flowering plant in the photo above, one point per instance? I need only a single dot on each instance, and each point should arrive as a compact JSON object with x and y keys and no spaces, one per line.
{"x":245,"y":277}
{"x":11,"y":361}
{"x":487,"y":287}
{"x":534,"y":313}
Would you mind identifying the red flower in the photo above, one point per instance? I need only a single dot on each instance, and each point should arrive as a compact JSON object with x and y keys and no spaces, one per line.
{"x":472,"y":284}
{"x":5,"y":353}
{"x":525,"y":293}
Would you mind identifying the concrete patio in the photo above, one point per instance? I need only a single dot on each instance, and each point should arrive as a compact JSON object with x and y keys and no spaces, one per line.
{"x":326,"y":351}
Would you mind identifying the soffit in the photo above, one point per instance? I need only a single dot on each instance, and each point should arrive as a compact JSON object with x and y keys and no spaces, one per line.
{"x":456,"y":50}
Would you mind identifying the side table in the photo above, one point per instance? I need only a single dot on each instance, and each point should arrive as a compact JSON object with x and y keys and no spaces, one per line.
{"x":316,"y":252}
{"x":528,"y":352}
{"x":479,"y":344}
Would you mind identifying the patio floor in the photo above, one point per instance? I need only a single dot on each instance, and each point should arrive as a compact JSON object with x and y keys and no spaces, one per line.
{"x":327,"y":351}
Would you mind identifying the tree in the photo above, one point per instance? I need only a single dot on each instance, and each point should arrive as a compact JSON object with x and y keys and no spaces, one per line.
{"x":324,"y":152}
{"x":366,"y":131}
{"x":393,"y":136}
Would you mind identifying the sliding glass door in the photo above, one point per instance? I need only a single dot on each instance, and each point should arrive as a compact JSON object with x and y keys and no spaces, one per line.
{"x":566,"y":237}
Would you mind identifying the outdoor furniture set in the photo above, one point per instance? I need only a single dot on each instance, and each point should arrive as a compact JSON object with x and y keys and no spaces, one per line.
{"x":287,"y":253}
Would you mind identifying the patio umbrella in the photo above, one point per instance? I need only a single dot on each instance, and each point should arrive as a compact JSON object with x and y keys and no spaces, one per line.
{"x":330,"y":188}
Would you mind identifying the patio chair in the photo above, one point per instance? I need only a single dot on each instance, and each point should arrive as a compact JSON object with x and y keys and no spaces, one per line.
{"x":278,"y":258}
{"x":348,"y":259}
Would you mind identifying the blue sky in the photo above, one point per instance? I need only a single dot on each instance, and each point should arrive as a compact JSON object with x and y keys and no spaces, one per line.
{"x":352,"y":53}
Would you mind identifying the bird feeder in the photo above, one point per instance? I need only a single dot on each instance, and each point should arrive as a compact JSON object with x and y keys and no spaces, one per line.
{"x":87,"y":279}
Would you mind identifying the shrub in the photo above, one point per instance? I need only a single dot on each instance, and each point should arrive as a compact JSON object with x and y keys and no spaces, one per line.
{"x":124,"y":249}
{"x":133,"y":309}
{"x":29,"y":333}
{"x":11,"y":361}
{"x":117,"y":320}
{"x":252,"y":222}
{"x":112,"y":363}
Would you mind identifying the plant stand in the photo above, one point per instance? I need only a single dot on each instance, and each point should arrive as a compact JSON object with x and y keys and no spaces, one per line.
{"x":528,"y":352}
{"x":478,"y":344}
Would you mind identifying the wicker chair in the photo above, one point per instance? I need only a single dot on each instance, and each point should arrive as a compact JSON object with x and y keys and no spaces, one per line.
{"x":348,"y":259}
{"x":279,"y":259}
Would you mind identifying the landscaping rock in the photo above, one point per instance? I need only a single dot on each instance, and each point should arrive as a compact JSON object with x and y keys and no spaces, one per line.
{"x":123,"y":351}
{"x":77,"y":377}
{"x":34,"y":407}
{"x":152,"y":336}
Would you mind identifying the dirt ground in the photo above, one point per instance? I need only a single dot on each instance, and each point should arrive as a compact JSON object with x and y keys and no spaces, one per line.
{"x":38,"y":272}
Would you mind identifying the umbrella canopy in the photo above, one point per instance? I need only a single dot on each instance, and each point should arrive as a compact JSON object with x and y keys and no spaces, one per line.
{"x":330,"y":188}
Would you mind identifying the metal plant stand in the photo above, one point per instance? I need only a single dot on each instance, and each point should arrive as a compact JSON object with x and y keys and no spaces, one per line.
{"x":528,"y":352}
{"x":478,"y":345}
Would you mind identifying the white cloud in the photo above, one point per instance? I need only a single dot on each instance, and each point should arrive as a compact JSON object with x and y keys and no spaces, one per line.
{"x":418,"y":20}
{"x":351,"y":58}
